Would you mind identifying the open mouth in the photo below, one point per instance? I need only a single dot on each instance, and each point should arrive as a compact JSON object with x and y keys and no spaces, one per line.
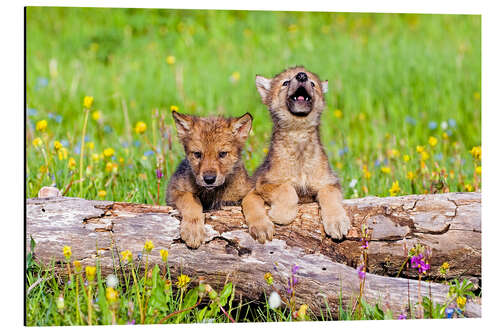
{"x":300,"y":102}
{"x":300,"y":95}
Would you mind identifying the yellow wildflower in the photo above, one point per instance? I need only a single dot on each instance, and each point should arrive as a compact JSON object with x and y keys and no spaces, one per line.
{"x":41,"y":125}
{"x":337,"y":113}
{"x":111,"y":295}
{"x":292,"y":28}
{"x":468,"y":187}
{"x":62,"y":154}
{"x":339,"y":165}
{"x":148,"y":246}
{"x":71,"y":163}
{"x":477,"y":95}
{"x":170,"y":60}
{"x":362,"y":116}
{"x":57,"y":145}
{"x":88,"y":101}
{"x":410,"y":175}
{"x":476,"y":152}
{"x":140,"y":127}
{"x":461,"y":301}
{"x":90,"y":145}
{"x":37,"y":142}
{"x":269,"y":278}
{"x":406,"y":158}
{"x":111,"y":167}
{"x":235,"y":77}
{"x":420,"y":149}
{"x":445,"y":265}
{"x":108,"y":152}
{"x":90,"y":272}
{"x":385,"y":169}
{"x":126,"y":255}
{"x":121,"y":160}
{"x":445,"y":136}
{"x":96,"y":115}
{"x":164,"y":255}
{"x":393,"y":153}
{"x":44,"y":169}
{"x":424,"y":155}
{"x":78,"y":266}
{"x":301,"y":314}
{"x":395,"y":189}
{"x":478,"y":170}
{"x":433,"y":141}
{"x":67,"y":252}
{"x":101,"y":193}
{"x":182,"y":281}
{"x":95,"y":157}
{"x":174,"y":108}
{"x":367,"y":174}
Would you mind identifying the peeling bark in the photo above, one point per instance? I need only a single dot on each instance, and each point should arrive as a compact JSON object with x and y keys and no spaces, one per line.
{"x":450,"y":224}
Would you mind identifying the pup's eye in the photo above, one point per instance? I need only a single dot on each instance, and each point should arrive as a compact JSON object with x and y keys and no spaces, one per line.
{"x":222,"y":154}
{"x":286,"y":83}
{"x":312,"y":84}
{"x":197,"y":154}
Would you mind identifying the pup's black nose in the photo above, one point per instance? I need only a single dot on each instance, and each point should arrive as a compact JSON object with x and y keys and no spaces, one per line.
{"x":301,"y":77}
{"x":209,"y":178}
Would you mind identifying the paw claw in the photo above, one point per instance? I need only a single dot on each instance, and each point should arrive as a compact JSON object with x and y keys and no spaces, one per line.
{"x":336,"y":226}
{"x":262,"y":231}
{"x":193,"y":233}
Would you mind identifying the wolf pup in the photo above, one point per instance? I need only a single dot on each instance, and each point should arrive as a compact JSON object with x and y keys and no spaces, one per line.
{"x":296,"y":168}
{"x":212,"y":173}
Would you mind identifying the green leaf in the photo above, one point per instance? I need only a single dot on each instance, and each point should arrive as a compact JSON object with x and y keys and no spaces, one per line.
{"x":226,"y":292}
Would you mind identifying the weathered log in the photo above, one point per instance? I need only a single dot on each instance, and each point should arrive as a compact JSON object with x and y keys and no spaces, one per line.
{"x":450,"y":224}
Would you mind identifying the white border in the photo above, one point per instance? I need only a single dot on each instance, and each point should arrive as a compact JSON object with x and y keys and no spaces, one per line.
{"x":12,"y":144}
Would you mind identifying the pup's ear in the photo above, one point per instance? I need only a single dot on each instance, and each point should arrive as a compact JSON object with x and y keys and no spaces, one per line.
{"x":183,"y":123}
{"x":241,"y":126}
{"x":324,"y":86}
{"x":263,"y":87}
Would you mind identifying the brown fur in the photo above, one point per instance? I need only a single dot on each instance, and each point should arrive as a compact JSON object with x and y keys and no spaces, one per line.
{"x":296,"y":168}
{"x":213,"y":148}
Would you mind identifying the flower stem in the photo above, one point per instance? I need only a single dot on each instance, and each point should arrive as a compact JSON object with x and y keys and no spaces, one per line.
{"x":89,"y":304}
{"x":82,"y":148}
{"x":138,"y":295}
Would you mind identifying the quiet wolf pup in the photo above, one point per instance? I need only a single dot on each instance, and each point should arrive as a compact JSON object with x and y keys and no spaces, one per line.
{"x":296,"y":168}
{"x":212,"y":173}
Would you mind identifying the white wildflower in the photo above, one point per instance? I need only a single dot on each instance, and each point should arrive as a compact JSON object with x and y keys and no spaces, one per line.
{"x":111,"y":281}
{"x":274,"y":300}
{"x":353,"y":183}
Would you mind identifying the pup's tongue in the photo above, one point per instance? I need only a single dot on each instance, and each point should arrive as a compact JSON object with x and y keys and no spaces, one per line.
{"x":300,"y":98}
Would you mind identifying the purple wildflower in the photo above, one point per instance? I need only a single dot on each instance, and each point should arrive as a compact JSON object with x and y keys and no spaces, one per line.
{"x":449,"y":312}
{"x":402,"y":316}
{"x":361,"y":272}
{"x":295,"y":268}
{"x":420,"y":264}
{"x":132,"y":322}
{"x":364,"y":243}
{"x":159,"y":174}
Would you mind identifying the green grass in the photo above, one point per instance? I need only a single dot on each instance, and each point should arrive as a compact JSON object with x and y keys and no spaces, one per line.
{"x":394,"y":78}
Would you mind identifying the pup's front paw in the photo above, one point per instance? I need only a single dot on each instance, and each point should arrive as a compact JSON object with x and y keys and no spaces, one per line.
{"x":262,"y":230}
{"x":193,"y":232}
{"x":282,"y":214}
{"x":336,"y":223}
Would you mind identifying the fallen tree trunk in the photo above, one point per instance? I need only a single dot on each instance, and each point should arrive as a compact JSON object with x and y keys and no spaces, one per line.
{"x":450,"y":224}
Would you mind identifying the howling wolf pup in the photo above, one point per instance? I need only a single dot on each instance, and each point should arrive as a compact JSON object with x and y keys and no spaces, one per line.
{"x":212,"y":173}
{"x":296,"y":168}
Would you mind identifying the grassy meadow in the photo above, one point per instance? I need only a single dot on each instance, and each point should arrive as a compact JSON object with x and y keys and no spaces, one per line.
{"x":403,"y":116}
